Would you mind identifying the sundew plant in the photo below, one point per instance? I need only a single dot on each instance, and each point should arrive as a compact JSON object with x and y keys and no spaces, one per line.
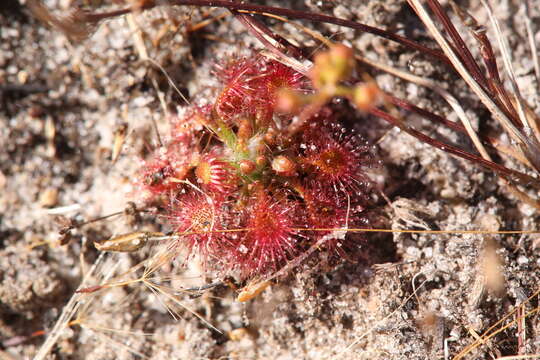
{"x":246,"y":186}
{"x":266,"y":172}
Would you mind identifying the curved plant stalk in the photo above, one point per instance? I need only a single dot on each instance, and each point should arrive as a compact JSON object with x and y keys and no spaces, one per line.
{"x":530,"y":125}
{"x":532,"y":43}
{"x":450,"y":99}
{"x":70,"y":309}
{"x":464,"y":72}
{"x":527,"y":143}
{"x":507,"y":61}
{"x":88,"y":20}
{"x":462,"y":116}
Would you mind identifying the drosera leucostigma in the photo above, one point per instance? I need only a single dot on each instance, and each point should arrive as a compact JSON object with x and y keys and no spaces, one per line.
{"x":248,"y":189}
{"x":283,"y":164}
{"x":242,"y":193}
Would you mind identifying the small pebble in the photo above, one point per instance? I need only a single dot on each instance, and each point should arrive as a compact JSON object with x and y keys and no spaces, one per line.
{"x":3,"y":180}
{"x":238,"y":334}
{"x":49,"y":197}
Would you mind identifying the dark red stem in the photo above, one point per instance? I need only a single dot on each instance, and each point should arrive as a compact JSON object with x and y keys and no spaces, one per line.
{"x":463,"y":51}
{"x":404,"y":104}
{"x":503,"y":171}
{"x":289,"y":13}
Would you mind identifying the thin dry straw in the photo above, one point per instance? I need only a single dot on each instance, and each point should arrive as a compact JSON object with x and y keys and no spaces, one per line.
{"x":67,"y":313}
{"x":464,"y":73}
{"x":507,"y":60}
{"x":406,"y":231}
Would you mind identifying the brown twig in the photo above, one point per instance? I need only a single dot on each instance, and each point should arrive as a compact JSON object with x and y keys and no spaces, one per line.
{"x":262,"y":9}
{"x":512,"y":175}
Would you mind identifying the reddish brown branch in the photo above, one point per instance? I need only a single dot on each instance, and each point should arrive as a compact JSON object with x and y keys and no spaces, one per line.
{"x":509,"y":174}
{"x":462,"y":50}
{"x":290,"y":13}
{"x":435,"y":118}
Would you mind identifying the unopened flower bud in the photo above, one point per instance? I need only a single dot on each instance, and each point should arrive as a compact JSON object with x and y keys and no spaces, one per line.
{"x":245,"y":129}
{"x":260,"y":160}
{"x":284,"y":166}
{"x":247,"y":167}
{"x":366,"y":95}
{"x":288,"y":101}
{"x":270,"y":137}
{"x":332,"y":66}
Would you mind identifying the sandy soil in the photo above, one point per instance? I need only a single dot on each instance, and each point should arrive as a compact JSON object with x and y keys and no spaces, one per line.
{"x":60,"y":105}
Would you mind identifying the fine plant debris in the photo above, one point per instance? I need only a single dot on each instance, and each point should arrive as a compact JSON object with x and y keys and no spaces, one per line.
{"x":269,"y":180}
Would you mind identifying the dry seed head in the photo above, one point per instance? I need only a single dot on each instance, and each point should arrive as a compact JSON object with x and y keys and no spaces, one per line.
{"x":251,"y":290}
{"x":126,"y":242}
